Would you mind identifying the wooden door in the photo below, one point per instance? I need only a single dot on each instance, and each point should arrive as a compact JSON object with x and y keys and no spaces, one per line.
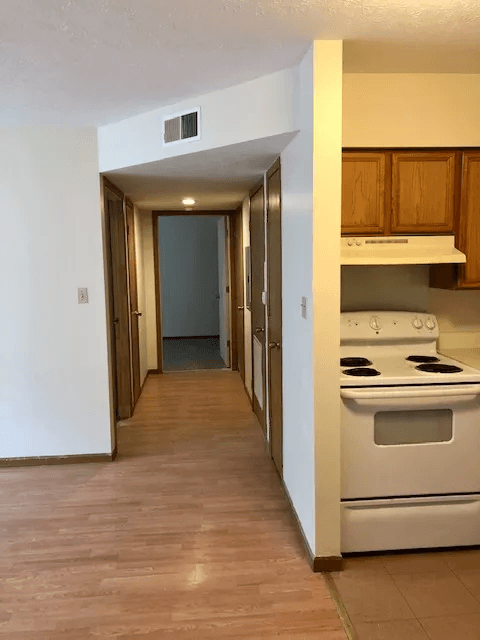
{"x":363,"y":193}
{"x":274,"y":266}
{"x":257,"y":244}
{"x":134,"y":313}
{"x":469,"y":237}
{"x":119,"y":304}
{"x":238,"y":304}
{"x":423,"y":192}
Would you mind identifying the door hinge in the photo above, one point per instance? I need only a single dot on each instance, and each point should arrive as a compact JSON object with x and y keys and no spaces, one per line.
{"x":228,"y":343}
{"x":227,"y":289}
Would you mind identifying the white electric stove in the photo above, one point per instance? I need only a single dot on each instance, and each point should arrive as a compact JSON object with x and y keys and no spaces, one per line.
{"x":410,"y":436}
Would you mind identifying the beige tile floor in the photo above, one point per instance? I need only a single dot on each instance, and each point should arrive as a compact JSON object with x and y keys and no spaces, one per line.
{"x":414,"y":596}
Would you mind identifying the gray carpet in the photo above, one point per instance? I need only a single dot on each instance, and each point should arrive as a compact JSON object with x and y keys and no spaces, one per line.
{"x":181,"y":354}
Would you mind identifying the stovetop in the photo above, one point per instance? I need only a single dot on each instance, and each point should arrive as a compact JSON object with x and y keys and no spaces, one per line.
{"x":390,"y":348}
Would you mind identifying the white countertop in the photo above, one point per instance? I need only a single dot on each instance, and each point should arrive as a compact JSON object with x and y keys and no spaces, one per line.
{"x":470,"y":357}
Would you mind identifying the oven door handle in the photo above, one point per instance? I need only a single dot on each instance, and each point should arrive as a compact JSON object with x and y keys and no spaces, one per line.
{"x":431,"y":392}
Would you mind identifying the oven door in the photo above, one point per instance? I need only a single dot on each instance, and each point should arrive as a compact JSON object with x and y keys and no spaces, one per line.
{"x":410,"y":441}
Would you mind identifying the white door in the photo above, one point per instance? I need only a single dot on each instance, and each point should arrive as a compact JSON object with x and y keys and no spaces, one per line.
{"x":223,"y":277}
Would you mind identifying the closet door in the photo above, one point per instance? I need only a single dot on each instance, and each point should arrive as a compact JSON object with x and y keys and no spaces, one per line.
{"x":274,"y":269}
{"x":117,"y":268}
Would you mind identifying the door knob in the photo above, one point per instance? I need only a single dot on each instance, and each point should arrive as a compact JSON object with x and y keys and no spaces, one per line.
{"x":240,"y":308}
{"x":115,"y":321}
{"x":259,"y":330}
{"x":272,"y":345}
{"x":136,"y":313}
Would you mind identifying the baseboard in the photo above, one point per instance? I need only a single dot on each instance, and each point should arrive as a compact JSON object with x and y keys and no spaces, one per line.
{"x":38,"y":461}
{"x":319,"y":564}
{"x":153,"y":372}
{"x":250,"y":399}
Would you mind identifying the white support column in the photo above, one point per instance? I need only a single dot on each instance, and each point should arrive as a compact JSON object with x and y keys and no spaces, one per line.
{"x":327,"y":187}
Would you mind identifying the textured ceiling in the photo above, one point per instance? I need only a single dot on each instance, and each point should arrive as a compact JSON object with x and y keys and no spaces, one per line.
{"x":82,"y":62}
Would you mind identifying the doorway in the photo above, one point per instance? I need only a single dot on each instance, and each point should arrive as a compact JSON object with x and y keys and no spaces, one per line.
{"x":193,"y":290}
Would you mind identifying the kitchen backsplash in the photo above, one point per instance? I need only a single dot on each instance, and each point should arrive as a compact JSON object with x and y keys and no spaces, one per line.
{"x":405,"y":288}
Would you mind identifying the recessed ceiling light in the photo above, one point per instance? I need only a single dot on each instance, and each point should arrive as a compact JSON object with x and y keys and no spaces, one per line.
{"x":188,"y":201}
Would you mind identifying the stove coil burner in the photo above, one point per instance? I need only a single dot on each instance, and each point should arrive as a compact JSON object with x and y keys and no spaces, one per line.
{"x":423,"y":359}
{"x":362,"y":372}
{"x":354,"y":362}
{"x":439,"y":368}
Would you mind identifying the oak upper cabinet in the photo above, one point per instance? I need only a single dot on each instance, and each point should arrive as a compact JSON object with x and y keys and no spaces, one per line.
{"x":423,"y":192}
{"x":469,"y":230}
{"x":363,"y":193}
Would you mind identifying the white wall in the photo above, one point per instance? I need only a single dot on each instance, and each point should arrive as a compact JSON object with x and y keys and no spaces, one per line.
{"x":405,"y":288}
{"x":247,"y":312}
{"x":142,"y":320}
{"x":54,"y":370}
{"x":410,"y":110}
{"x":188,"y":250}
{"x":256,"y":109}
{"x":297,"y":270}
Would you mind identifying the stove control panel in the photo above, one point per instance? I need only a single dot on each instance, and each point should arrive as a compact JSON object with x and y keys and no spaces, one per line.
{"x":387,"y":326}
{"x":417,"y":322}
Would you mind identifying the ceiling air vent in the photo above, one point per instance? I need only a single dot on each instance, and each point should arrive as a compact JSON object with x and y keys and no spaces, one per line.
{"x":183,"y":127}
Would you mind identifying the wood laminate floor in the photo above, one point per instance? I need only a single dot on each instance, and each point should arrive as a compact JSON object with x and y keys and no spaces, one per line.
{"x":186,"y":535}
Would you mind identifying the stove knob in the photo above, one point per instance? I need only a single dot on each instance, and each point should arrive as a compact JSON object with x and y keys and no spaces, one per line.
{"x":358,"y":243}
{"x":375,"y":323}
{"x":430,"y":324}
{"x":417,"y":323}
{"x":351,"y":242}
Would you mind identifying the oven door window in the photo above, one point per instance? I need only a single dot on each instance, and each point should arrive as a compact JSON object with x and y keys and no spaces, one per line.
{"x":413,"y":427}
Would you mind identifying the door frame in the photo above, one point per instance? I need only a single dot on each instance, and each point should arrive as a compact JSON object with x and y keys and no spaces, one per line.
{"x":262,"y":414}
{"x":236,"y":253}
{"x":156,"y":214}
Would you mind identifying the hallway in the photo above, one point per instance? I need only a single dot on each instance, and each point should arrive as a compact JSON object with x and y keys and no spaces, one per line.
{"x":186,"y":535}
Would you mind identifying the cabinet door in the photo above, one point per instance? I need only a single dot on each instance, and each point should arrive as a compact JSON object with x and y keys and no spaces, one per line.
{"x":469,"y":240}
{"x":363,"y":193}
{"x":423,"y":192}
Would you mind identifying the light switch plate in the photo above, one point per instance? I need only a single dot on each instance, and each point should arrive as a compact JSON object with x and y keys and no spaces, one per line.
{"x":82,"y":295}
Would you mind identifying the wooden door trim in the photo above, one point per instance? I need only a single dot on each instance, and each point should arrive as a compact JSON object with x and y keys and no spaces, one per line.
{"x":158,"y":292}
{"x":256,"y":188}
{"x":109,"y":313}
{"x":275,"y":167}
{"x":255,"y":404}
{"x":111,"y":187}
{"x":133,"y":300}
{"x":233,"y":295}
{"x":156,"y":214}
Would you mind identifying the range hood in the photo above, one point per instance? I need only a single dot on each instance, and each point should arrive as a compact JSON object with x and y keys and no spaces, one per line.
{"x":400,"y":250}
